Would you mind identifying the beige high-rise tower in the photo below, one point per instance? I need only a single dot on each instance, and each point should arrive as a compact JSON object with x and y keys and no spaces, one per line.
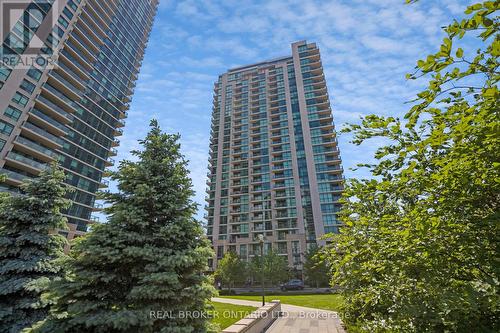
{"x":274,"y":167}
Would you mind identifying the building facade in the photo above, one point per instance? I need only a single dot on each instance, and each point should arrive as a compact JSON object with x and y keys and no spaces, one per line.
{"x":73,"y":109}
{"x":274,"y":165}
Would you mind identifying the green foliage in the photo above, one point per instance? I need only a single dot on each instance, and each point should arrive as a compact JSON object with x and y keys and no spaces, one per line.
{"x":315,"y":268}
{"x":273,"y":267}
{"x":3,"y":195}
{"x":151,"y":255}
{"x":419,"y":249}
{"x":231,"y":269}
{"x":29,"y":255}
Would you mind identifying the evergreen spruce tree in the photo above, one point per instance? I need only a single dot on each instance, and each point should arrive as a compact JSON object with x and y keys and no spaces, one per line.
{"x":144,"y":268}
{"x":29,"y":255}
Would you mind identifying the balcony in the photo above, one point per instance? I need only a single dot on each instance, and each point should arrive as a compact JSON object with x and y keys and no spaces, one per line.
{"x":41,"y":119}
{"x":26,"y":164}
{"x":66,"y":101}
{"x":64,"y":85}
{"x":109,"y":161}
{"x":34,"y":148}
{"x":286,"y":225}
{"x":70,"y":73}
{"x":77,"y":54}
{"x":41,"y":134}
{"x":103,"y":13}
{"x":74,"y":62}
{"x":54,"y":109}
{"x":83,"y":47}
{"x":90,"y":27}
{"x":120,"y":123}
{"x":13,"y":177}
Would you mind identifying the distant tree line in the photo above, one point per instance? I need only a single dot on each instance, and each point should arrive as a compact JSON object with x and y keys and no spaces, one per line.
{"x":271,"y":268}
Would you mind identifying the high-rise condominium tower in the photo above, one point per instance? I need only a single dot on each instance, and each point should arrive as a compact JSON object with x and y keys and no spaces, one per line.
{"x":274,"y":165}
{"x":69,"y":104}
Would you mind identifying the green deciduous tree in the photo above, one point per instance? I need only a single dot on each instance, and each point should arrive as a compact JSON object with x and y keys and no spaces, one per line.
{"x":419,"y":249}
{"x":315,"y":268}
{"x":273,"y":266}
{"x":150,"y":256}
{"x":276,"y":268}
{"x":29,"y":254}
{"x":231,"y":269}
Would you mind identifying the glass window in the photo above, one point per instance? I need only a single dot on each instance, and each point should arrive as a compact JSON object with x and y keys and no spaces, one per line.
{"x":220,"y":251}
{"x":68,"y":13}
{"x":12,"y":112}
{"x":302,"y":48}
{"x":72,"y":5}
{"x":20,"y":99}
{"x":63,"y":21}
{"x":27,"y":86}
{"x":329,"y":219}
{"x":243,"y":250}
{"x":6,"y":128}
{"x":4,"y":73}
{"x":2,"y":144}
{"x":34,"y":74}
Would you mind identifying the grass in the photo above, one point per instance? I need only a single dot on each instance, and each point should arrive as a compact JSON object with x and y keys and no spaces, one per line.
{"x":331,"y":302}
{"x":225,"y":314}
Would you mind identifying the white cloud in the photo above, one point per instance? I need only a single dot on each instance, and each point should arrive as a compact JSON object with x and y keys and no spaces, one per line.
{"x":367,"y":46}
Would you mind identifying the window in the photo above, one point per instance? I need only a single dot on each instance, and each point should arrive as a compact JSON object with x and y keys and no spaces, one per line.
{"x":302,"y":48}
{"x":331,"y":229}
{"x":220,"y":251}
{"x":4,"y":73}
{"x":68,"y":13}
{"x":20,"y":99}
{"x":243,"y":251}
{"x":63,"y":22}
{"x":58,"y":31}
{"x":35,"y":74}
{"x":330,"y":220}
{"x":72,"y":5}
{"x":6,"y":128}
{"x":12,"y":112}
{"x":27,"y":86}
{"x":326,"y":197}
{"x":2,"y":144}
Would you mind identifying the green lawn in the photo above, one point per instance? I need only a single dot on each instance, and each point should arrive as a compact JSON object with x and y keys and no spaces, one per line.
{"x":225,"y":314}
{"x":319,"y":301}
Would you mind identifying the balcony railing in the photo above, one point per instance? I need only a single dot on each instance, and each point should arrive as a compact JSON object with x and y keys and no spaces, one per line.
{"x":54,"y":107}
{"x":49,"y":120}
{"x":66,"y":83}
{"x":13,"y":175}
{"x":43,"y":133}
{"x":37,"y":147}
{"x":28,"y":161}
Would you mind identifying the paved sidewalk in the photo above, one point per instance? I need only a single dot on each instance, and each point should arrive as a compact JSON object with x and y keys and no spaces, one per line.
{"x":297,"y":319}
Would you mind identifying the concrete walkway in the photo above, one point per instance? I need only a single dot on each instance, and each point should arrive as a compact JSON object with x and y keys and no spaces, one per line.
{"x":297,"y":319}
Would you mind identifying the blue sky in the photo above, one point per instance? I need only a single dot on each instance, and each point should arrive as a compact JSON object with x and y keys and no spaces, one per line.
{"x":367,"y":47}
